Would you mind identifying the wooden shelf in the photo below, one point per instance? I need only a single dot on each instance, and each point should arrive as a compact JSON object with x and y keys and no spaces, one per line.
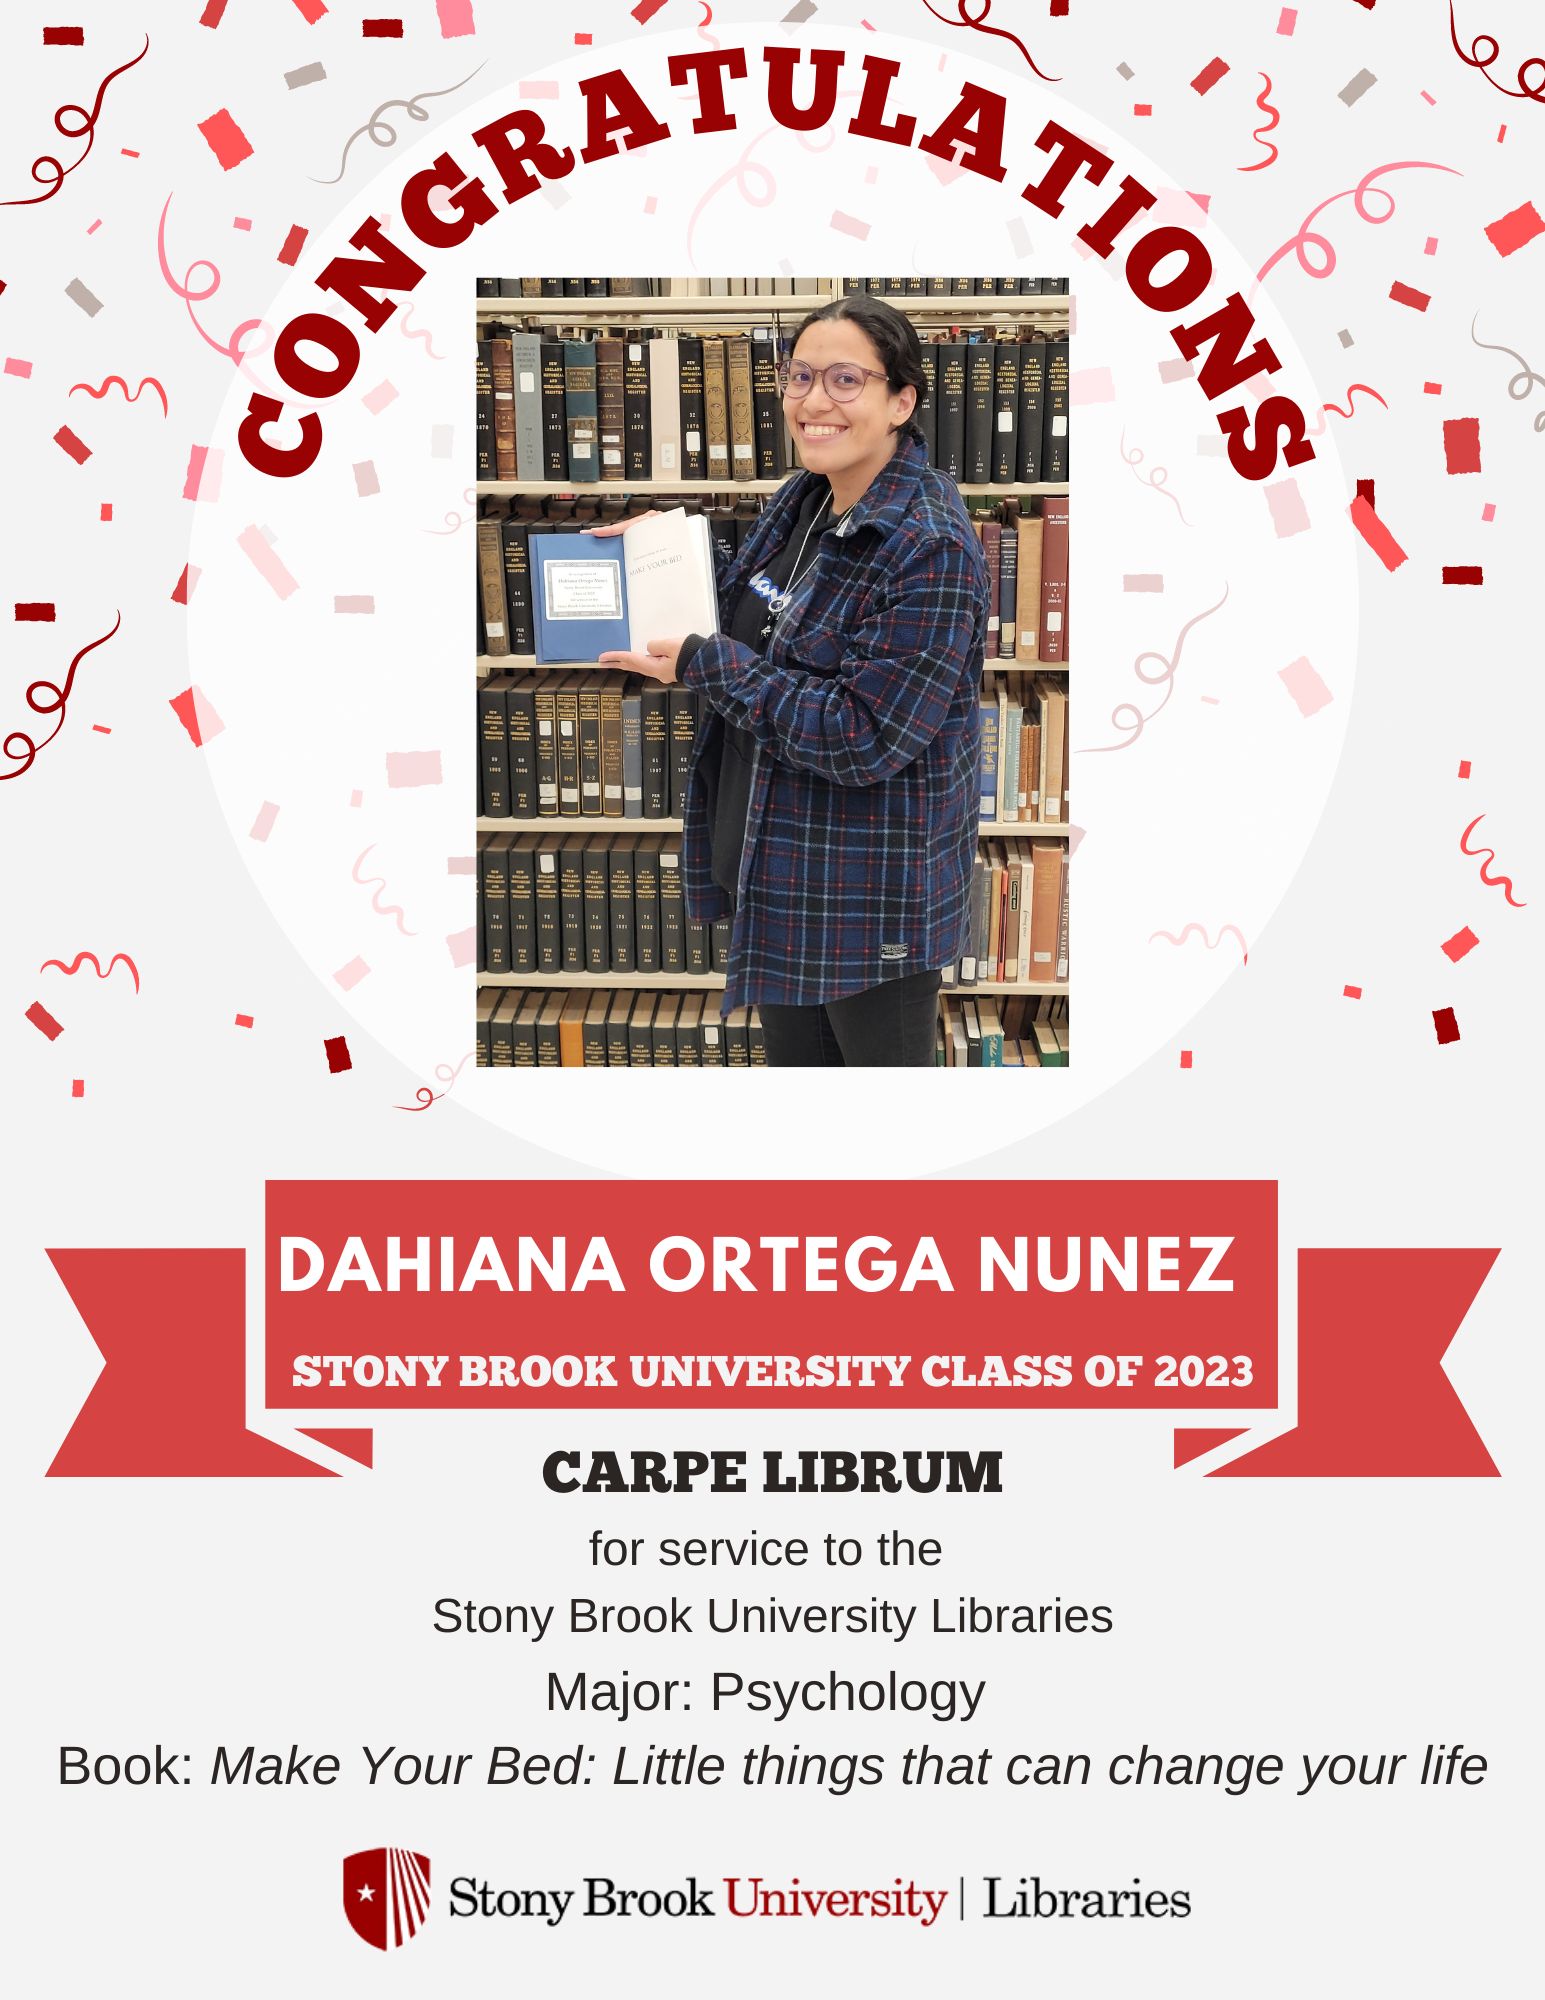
{"x":755,"y":307}
{"x":996,"y":829}
{"x":987,"y":990}
{"x":695,"y":489}
{"x":527,"y":663}
{"x":662,"y":982}
{"x":560,"y":822}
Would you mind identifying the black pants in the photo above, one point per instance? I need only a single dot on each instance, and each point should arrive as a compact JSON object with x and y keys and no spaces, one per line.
{"x":884,"y":1027}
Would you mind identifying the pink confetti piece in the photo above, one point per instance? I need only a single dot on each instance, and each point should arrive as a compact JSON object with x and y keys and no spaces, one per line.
{"x":78,"y":1087}
{"x":1375,"y":534}
{"x":186,"y":583}
{"x":1351,"y":993}
{"x":1407,"y":295}
{"x":1430,"y":99}
{"x":196,"y":712}
{"x":1177,"y":370}
{"x":461,"y":864}
{"x":1461,"y":942}
{"x":1430,"y":247}
{"x":1289,"y":515}
{"x":1210,"y":699}
{"x":348,"y":976}
{"x":650,"y":204}
{"x":244,"y":1020}
{"x":364,"y":606}
{"x":849,"y":225}
{"x":1185,"y":1058}
{"x":107,"y":511}
{"x":293,"y":243}
{"x":455,"y":19}
{"x":95,"y":226}
{"x":1305,"y":686}
{"x":1462,"y":445}
{"x":66,"y":440}
{"x":205,"y":465}
{"x":1463,"y":573}
{"x":539,"y":87}
{"x":43,"y":1021}
{"x":356,"y":798}
{"x":15,"y":366}
{"x":338,"y":1058}
{"x":255,"y":548}
{"x":1144,"y":582}
{"x":242,"y":222}
{"x":871,"y":175}
{"x":1091,"y":385}
{"x":463,"y":946}
{"x":366,"y":483}
{"x":379,"y":397}
{"x":1512,"y":231}
{"x":226,"y":139}
{"x":34,"y":614}
{"x":263,"y":825}
{"x":1464,"y":767}
{"x":1287,"y":20}
{"x":407,"y":768}
{"x":1446,"y":1027}
{"x":1488,"y":512}
{"x":1215,"y":72}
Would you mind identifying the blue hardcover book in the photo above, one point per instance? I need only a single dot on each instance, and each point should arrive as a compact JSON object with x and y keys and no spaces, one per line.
{"x":593,"y":594}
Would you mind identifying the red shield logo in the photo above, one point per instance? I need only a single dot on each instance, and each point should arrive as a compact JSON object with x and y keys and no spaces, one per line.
{"x":386,"y":1895}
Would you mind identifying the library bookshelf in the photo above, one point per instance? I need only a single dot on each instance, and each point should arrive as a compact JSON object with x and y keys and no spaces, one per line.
{"x":1048,"y":313}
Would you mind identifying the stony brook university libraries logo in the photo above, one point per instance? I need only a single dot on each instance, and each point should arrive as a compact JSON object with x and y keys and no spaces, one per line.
{"x":386,"y":1895}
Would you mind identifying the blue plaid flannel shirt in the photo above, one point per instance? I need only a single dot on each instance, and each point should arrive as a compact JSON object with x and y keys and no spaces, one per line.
{"x":862,"y":827}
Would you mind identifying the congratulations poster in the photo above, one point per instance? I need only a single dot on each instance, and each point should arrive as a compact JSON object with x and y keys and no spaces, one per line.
{"x":1067,"y":1526}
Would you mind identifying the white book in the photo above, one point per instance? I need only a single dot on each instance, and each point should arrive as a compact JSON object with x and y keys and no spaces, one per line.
{"x":669,"y":564}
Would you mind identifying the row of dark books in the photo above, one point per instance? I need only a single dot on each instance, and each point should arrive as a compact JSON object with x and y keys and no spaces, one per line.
{"x":947,"y":288}
{"x":647,"y":288}
{"x":645,"y":405}
{"x":506,"y":619}
{"x":1019,"y":916}
{"x":1025,"y":755}
{"x":606,"y":1028}
{"x":592,"y":744}
{"x":589,"y":902}
{"x":1025,"y":543}
{"x":1011,"y":1034}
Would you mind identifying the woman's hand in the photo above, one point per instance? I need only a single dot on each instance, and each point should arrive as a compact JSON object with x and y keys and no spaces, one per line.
{"x":659,"y":663}
{"x":617,"y":527}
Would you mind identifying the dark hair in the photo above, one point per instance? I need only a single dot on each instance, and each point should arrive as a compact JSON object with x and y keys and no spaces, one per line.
{"x":893,"y":337}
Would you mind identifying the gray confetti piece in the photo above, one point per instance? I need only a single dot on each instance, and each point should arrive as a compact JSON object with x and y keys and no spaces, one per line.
{"x":366,"y":485}
{"x":1364,"y":80}
{"x":1344,"y":337}
{"x":442,"y":438}
{"x":1019,"y":236}
{"x":1123,"y":71}
{"x":88,"y":302}
{"x":555,"y":197}
{"x":269,"y":536}
{"x":800,"y":11}
{"x":1212,"y":447}
{"x":297,"y":79}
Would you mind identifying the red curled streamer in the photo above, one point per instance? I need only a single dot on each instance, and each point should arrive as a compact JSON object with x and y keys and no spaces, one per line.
{"x":979,"y":22}
{"x":1258,"y":134}
{"x":1475,"y":60}
{"x":1502,"y":882}
{"x":1351,"y":405}
{"x":148,"y":382}
{"x":81,"y":957}
{"x":88,"y":132}
{"x":25,"y":758}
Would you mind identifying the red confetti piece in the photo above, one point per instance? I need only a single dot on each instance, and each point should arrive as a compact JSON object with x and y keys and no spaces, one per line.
{"x":107,"y":511}
{"x":43,"y":1021}
{"x":78,"y":1087}
{"x":210,"y":18}
{"x":185,"y":583}
{"x":225,"y":139}
{"x":646,"y":10}
{"x":293,"y":243}
{"x":1464,"y":767}
{"x":1462,"y":444}
{"x":311,"y":11}
{"x":1215,"y":72}
{"x":1461,"y":942}
{"x":1142,"y":110}
{"x":1375,"y":534}
{"x":1519,"y":226}
{"x":381,"y":31}
{"x":1407,"y":295}
{"x":1501,"y":134}
{"x":338,"y":1058}
{"x":1365,"y":492}
{"x":1463,"y":573}
{"x":1445,"y":1024}
{"x":66,"y":440}
{"x":100,"y":729}
{"x":34,"y":614}
{"x":1351,"y":993}
{"x":1185,"y":1058}
{"x":64,"y":38}
{"x":244,"y":1020}
{"x":583,"y":41}
{"x":1432,"y":388}
{"x":195,"y":711}
{"x":128,"y":153}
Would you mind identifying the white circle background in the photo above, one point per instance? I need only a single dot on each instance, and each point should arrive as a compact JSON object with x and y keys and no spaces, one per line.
{"x":1201,"y":820}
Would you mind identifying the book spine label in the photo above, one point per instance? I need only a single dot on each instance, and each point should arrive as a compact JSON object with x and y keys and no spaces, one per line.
{"x":598,"y":916}
{"x":1032,"y":393}
{"x":742,"y":419}
{"x":632,"y":757}
{"x":590,"y":749}
{"x":694,"y":451}
{"x":1054,"y":434}
{"x":611,"y":747}
{"x":699,"y":960}
{"x":501,"y":367}
{"x":620,"y":905}
{"x":487,"y":464}
{"x":544,"y":712}
{"x":635,"y":410}
{"x":496,"y":906}
{"x":519,"y":628}
{"x":720,"y":934}
{"x":673,"y":942}
{"x":1005,"y":436}
{"x":952,"y":409}
{"x":682,"y":709}
{"x":980,"y":389}
{"x":522,"y":909}
{"x":609,"y":406}
{"x":715,"y":410}
{"x":646,"y":909}
{"x":567,"y":706}
{"x":768,"y":410}
{"x":571,"y":905}
{"x":664,"y":410}
{"x":490,"y":565}
{"x":492,"y":726}
{"x":555,"y":434}
{"x":579,"y":396}
{"x":521,"y":738}
{"x":655,"y":752}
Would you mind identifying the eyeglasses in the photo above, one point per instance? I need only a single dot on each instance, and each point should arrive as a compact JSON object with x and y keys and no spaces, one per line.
{"x":843,"y":382}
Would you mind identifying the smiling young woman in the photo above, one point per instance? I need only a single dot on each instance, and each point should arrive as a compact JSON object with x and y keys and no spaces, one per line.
{"x":833,"y":802}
